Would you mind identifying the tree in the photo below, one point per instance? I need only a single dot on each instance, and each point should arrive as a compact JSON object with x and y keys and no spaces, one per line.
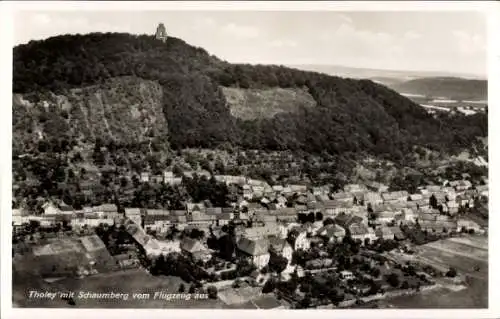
{"x":192,"y":289}
{"x":319,"y":216}
{"x":393,"y":280}
{"x":328,"y":221}
{"x":452,"y":272}
{"x":277,"y":263}
{"x":182,"y":288}
{"x":269,"y":286}
{"x":405,"y":285}
{"x":212,"y":292}
{"x":433,"y":201}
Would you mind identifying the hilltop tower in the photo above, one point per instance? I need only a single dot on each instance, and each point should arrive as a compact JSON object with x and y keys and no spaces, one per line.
{"x":161,"y":33}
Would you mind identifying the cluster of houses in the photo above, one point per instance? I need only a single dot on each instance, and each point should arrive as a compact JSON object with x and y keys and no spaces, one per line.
{"x":267,"y":217}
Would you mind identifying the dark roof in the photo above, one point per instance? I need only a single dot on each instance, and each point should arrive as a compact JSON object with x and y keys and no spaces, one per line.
{"x":253,"y":247}
{"x":277,"y":243}
{"x":191,"y":245}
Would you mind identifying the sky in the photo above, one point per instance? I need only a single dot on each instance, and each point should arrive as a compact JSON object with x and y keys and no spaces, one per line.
{"x":435,"y":41}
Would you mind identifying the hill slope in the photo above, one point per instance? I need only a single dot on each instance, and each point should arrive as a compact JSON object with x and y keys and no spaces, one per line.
{"x":448,"y":87}
{"x":356,"y":117}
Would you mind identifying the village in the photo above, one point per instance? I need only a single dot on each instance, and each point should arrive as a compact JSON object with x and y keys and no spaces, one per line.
{"x":304,"y":246}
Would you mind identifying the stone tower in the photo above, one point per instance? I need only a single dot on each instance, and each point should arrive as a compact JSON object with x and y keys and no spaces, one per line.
{"x":161,"y":33}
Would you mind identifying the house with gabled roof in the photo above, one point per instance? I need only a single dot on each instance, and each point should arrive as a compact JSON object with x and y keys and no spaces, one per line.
{"x":361,"y":232}
{"x":384,"y":233}
{"x":482,"y":190}
{"x":195,"y":249}
{"x":343,"y":197}
{"x":398,"y":233}
{"x":415,"y":197}
{"x":452,"y":208}
{"x":50,"y":209}
{"x":373,"y":198}
{"x":377,"y":187}
{"x":333,"y":232}
{"x":461,"y":185}
{"x":399,"y":196}
{"x":256,"y":250}
{"x":297,"y":237}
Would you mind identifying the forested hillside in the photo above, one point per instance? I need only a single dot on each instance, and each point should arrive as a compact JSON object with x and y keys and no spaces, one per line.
{"x":95,"y":90}
{"x":448,"y":87}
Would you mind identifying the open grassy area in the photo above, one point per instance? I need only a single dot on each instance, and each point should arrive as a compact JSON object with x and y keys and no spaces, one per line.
{"x":476,"y":293}
{"x":250,"y":104}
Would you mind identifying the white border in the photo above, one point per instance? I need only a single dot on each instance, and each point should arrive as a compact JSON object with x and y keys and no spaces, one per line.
{"x":6,"y":23}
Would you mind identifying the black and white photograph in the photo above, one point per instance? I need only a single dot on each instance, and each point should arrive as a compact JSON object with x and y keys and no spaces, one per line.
{"x":248,"y":159}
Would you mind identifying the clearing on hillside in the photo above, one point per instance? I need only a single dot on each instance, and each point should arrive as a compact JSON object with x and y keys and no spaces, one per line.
{"x":250,"y":104}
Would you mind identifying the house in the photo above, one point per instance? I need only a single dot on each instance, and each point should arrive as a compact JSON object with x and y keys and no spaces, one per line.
{"x":450,"y":193}
{"x":343,"y":197}
{"x":354,"y":188}
{"x":50,"y":209}
{"x":346,"y":275}
{"x":281,"y":202}
{"x":429,"y":189}
{"x":410,"y":215}
{"x":262,"y":231}
{"x":467,"y":225}
{"x":298,"y":189}
{"x":415,"y":197}
{"x":278,"y":188}
{"x":423,"y":204}
{"x":384,"y":233}
{"x":144,"y":178}
{"x":230,"y":179}
{"x":452,"y":208}
{"x":333,"y":232}
{"x":373,"y":198}
{"x":400,"y":196}
{"x":398,"y":233}
{"x":195,"y":249}
{"x":335,"y":207}
{"x":377,"y":187}
{"x":438,"y":226}
{"x":247,"y":192}
{"x":461,"y":185}
{"x":256,"y":250}
{"x":17,"y":219}
{"x":297,"y":237}
{"x":287,"y":211}
{"x":410,"y":204}
{"x":301,"y":209}
{"x":361,"y":232}
{"x":482,"y":190}
{"x":134,"y":214}
{"x":386,"y":213}
{"x":106,"y":211}
{"x":281,"y":247}
{"x":440,"y":197}
{"x":195,"y":207}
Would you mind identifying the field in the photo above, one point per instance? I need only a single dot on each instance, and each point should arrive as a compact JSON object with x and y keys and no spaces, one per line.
{"x":239,"y":296}
{"x":469,"y":253}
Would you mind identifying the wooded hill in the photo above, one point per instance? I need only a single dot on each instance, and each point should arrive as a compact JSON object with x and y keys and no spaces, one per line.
{"x":350,"y":116}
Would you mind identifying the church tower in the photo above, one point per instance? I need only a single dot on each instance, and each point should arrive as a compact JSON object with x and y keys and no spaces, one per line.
{"x":161,"y":33}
